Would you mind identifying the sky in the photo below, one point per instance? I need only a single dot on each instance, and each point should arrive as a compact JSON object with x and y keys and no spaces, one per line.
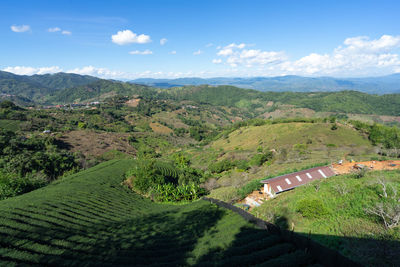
{"x":175,"y":38}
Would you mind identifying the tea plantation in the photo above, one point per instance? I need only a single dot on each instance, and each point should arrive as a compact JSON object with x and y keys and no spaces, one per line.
{"x":90,"y":219}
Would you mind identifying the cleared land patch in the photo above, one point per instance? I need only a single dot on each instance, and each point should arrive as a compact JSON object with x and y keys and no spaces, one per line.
{"x":91,"y":143}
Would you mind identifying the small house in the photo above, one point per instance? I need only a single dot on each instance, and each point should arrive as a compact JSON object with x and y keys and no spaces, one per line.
{"x":289,"y":181}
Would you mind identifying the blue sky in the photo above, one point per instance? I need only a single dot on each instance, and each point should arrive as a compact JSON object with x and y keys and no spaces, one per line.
{"x":121,"y":39}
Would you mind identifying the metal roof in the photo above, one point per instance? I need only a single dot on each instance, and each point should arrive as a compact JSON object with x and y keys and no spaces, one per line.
{"x":295,"y":179}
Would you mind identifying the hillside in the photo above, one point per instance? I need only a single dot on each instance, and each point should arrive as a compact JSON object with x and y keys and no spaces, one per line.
{"x":294,"y":145}
{"x":98,"y":90}
{"x":375,"y":85}
{"x":61,"y":80}
{"x":90,"y":218}
{"x":36,"y":87}
{"x":339,"y":102}
{"x":333,"y":212}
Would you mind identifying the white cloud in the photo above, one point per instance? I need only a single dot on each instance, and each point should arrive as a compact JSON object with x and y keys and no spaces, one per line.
{"x":20,"y":28}
{"x":163,"y":41}
{"x":217,"y":61}
{"x":236,"y":55}
{"x":198,"y":52}
{"x":128,"y":37}
{"x":55,"y":29}
{"x":22,"y":70}
{"x":98,"y":72}
{"x":358,"y":56}
{"x":209,"y":44}
{"x":173,"y":52}
{"x":144,"y":52}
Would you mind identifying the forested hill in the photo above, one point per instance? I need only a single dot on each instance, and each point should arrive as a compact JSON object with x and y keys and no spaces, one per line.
{"x":100,"y":90}
{"x":38,"y":86}
{"x":69,"y":88}
{"x":344,"y":101}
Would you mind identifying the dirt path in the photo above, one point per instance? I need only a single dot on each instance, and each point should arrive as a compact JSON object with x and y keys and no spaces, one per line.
{"x":349,"y":167}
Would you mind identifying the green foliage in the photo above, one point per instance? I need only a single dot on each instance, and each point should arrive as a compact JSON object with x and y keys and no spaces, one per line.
{"x":389,"y":137}
{"x":86,"y":214}
{"x":260,"y":158}
{"x":340,"y":102}
{"x":182,"y":192}
{"x":170,"y":181}
{"x":334,"y":127}
{"x":346,"y":217}
{"x":82,"y":125}
{"x":23,"y":159}
{"x":312,"y":208}
{"x":221,"y":166}
{"x":180,"y":131}
{"x":12,"y":185}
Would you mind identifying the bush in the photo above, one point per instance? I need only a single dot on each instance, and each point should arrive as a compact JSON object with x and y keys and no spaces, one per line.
{"x":171,"y":192}
{"x":312,"y":208}
{"x":12,"y":185}
{"x":260,"y":159}
{"x":221,"y":166}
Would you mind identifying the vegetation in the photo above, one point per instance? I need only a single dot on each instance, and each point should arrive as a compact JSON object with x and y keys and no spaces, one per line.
{"x":167,"y":181}
{"x":188,"y":142}
{"x":99,"y":222}
{"x":350,"y":214}
{"x":29,"y":163}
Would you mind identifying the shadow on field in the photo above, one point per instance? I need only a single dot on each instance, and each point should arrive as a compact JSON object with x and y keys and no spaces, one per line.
{"x":252,"y":246}
{"x":157,"y":239}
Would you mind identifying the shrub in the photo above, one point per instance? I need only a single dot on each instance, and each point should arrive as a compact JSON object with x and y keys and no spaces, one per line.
{"x":171,"y":192}
{"x":260,"y":159}
{"x":312,"y":208}
{"x":12,"y":185}
{"x":221,"y":166}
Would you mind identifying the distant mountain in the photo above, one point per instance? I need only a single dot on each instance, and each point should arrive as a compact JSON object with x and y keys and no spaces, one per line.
{"x":62,"y":80}
{"x":36,"y":87}
{"x":98,"y":90}
{"x":377,"y":85}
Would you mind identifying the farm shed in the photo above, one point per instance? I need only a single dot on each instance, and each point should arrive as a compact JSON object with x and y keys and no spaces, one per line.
{"x":289,"y":181}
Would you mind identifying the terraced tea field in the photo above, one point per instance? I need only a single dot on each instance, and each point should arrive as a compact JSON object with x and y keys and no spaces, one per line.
{"x":90,"y":219}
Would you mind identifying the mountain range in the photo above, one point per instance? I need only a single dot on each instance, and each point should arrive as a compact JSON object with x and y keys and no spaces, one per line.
{"x":373,"y":85}
{"x":68,"y":87}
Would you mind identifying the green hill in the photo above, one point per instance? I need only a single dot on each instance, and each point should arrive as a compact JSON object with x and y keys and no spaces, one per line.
{"x":342,"y":102}
{"x":91,"y":219}
{"x":36,"y":87}
{"x":61,"y":80}
{"x":333,"y":212}
{"x":98,"y":90}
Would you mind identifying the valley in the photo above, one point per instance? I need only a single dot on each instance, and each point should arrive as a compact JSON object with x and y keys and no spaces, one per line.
{"x":132,"y":167}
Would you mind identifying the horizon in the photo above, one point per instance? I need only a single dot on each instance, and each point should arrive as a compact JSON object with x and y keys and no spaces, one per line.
{"x":206,"y":78}
{"x":218,"y":39}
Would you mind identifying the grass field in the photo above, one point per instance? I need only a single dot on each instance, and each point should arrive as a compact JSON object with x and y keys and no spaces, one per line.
{"x":90,"y":219}
{"x":341,"y":221}
{"x":288,"y":134}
